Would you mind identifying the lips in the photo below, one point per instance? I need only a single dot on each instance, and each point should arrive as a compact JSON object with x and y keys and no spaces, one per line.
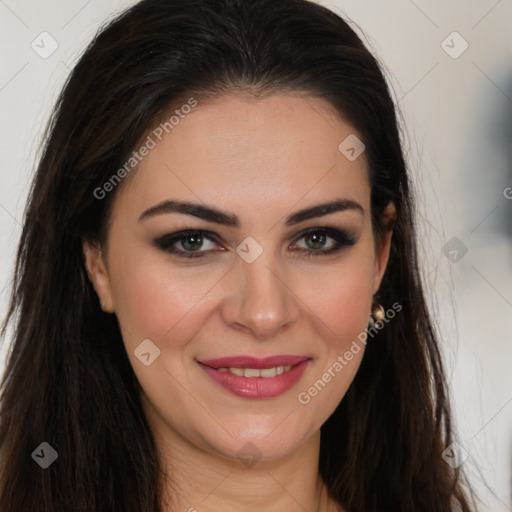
{"x":253,"y":362}
{"x":251,"y":377}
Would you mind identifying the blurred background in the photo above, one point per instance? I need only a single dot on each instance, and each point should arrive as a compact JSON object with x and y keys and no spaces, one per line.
{"x":449,"y":65}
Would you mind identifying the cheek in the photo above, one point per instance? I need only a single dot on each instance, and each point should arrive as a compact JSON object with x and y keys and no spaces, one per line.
{"x":343,"y":303}
{"x":156,"y":301}
{"x":341,"y":307}
{"x":342,"y":299}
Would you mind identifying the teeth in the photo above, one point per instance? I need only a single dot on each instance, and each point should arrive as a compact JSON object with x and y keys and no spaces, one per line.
{"x":253,"y":372}
{"x":268,"y":372}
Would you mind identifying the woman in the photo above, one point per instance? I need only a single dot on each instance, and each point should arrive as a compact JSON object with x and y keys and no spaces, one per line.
{"x":217,"y":297}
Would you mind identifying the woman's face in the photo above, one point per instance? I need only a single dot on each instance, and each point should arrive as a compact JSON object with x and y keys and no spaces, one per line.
{"x":258,"y":288}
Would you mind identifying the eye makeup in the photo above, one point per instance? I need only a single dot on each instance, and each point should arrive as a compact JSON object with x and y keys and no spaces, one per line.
{"x":195,"y":239}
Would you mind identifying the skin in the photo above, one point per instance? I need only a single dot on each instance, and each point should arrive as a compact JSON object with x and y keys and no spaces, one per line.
{"x":261,"y":159}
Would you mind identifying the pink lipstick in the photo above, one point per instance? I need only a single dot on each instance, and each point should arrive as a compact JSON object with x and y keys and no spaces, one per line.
{"x":251,"y":377}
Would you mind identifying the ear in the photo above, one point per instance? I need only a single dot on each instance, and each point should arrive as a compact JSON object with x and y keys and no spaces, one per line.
{"x":383,"y":242}
{"x":98,"y":274}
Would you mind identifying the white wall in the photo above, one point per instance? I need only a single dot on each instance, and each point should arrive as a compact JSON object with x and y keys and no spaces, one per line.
{"x":458,"y":118}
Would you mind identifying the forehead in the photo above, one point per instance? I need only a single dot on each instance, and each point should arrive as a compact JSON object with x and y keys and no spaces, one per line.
{"x":246,"y":151}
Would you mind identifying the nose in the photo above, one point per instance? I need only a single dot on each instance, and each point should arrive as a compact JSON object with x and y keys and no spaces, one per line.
{"x":261,"y":302}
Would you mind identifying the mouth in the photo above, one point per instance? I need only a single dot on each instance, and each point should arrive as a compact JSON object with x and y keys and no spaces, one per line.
{"x":255,"y":372}
{"x":250,"y":377}
{"x":254,"y":362}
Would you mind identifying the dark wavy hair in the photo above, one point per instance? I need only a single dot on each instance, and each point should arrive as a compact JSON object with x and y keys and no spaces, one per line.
{"x":68,"y":380}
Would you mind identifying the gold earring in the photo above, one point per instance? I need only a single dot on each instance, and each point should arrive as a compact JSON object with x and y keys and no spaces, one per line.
{"x":377,"y":314}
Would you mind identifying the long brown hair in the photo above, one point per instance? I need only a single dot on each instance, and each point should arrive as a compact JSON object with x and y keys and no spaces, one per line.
{"x":68,"y":380}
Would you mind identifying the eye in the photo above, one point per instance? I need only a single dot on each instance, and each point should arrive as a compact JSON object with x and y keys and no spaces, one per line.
{"x":186,"y":244}
{"x":316,"y":238}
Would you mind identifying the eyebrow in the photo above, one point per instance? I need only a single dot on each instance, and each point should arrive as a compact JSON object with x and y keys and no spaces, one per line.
{"x":218,"y":216}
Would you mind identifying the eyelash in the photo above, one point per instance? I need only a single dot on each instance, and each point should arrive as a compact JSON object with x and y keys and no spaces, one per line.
{"x":166,"y":243}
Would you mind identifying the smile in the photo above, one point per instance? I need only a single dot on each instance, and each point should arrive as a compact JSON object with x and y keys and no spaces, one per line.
{"x":250,"y":377}
{"x":254,"y":372}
